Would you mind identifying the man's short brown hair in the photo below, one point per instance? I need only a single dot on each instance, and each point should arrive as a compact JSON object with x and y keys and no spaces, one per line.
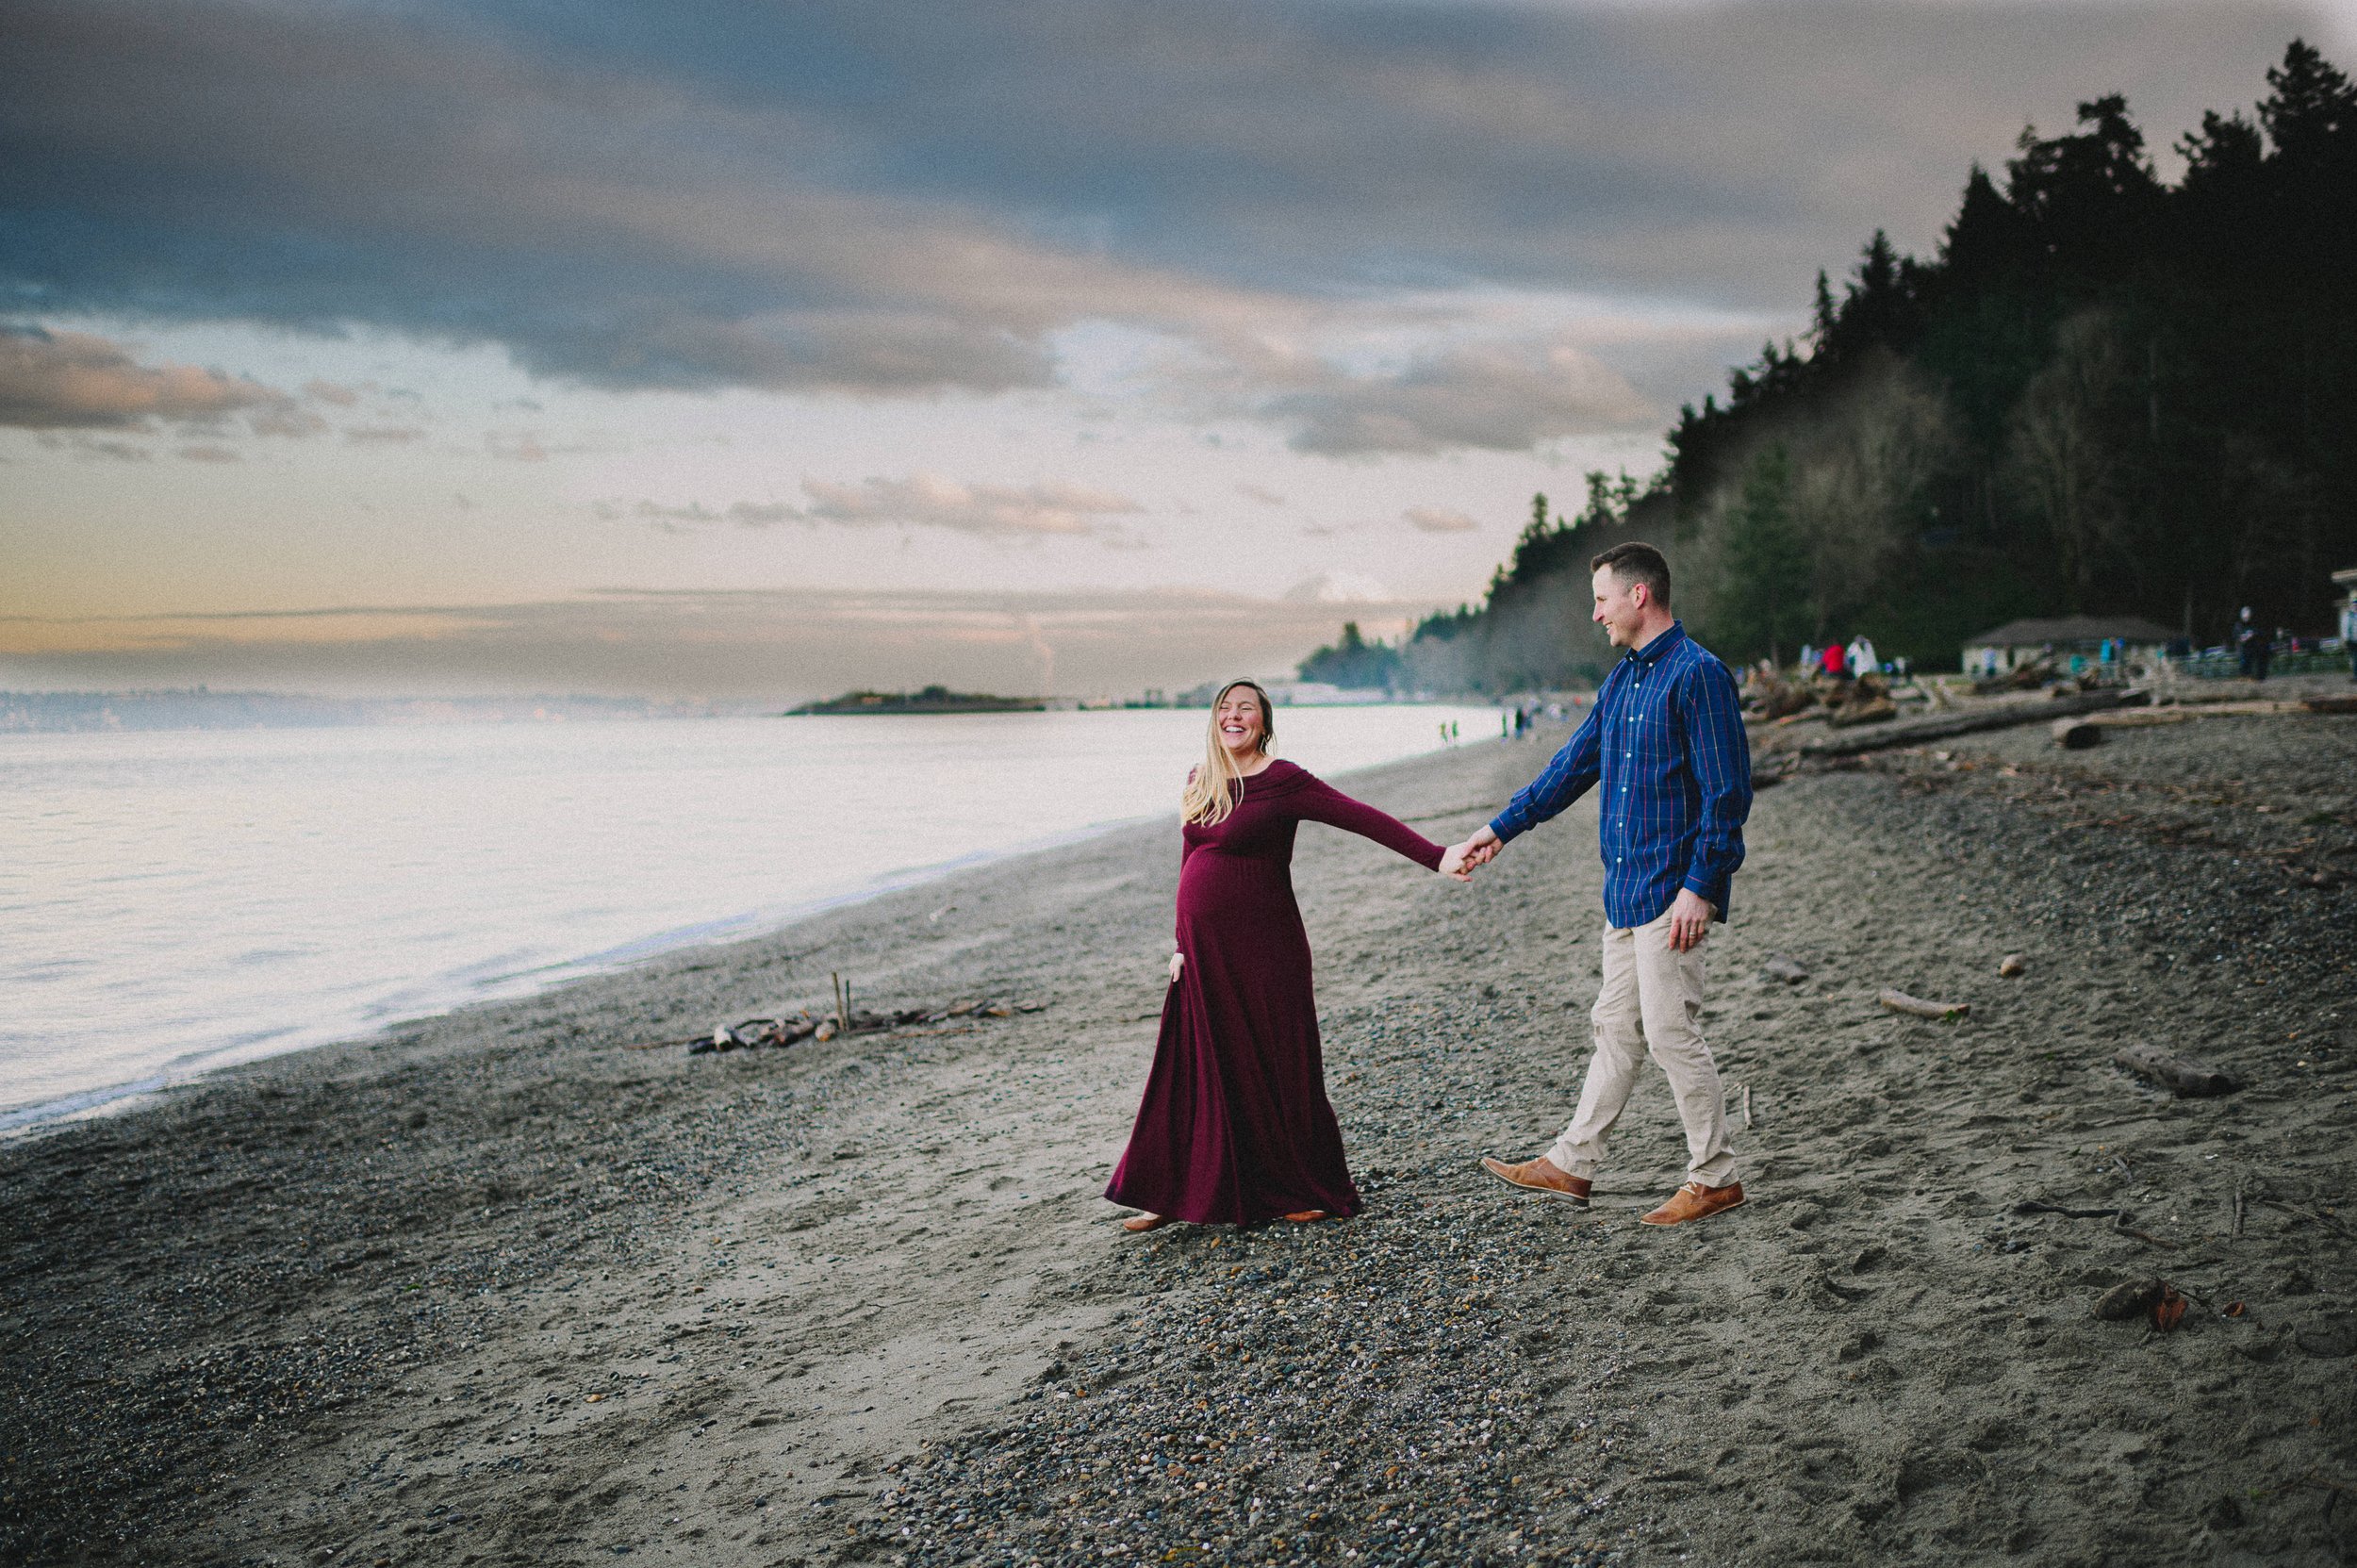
{"x":1638,"y":563}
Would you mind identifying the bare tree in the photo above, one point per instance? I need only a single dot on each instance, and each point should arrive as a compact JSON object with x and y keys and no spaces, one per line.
{"x":2064,"y":455}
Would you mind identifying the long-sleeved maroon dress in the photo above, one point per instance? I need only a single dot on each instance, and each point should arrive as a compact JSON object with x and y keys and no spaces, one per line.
{"x":1235,"y":1126}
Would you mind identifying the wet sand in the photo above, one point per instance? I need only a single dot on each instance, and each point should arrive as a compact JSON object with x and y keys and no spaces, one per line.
{"x":499,"y":1289}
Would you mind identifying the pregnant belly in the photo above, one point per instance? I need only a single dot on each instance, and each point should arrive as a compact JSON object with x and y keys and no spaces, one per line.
{"x":1214,"y":885}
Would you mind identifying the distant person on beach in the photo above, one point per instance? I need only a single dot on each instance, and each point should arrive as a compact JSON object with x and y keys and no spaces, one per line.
{"x":1666,"y":742}
{"x":1837,"y":662}
{"x":1234,"y":1126}
{"x":2254,"y":646}
{"x":2349,"y":632}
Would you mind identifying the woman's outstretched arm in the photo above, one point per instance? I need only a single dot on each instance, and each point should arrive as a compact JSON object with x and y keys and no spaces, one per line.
{"x":1320,"y":802}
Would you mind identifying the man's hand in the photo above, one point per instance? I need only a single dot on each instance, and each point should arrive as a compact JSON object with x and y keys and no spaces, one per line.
{"x":1178,"y":962}
{"x":1478,"y":851}
{"x":1689,"y":919}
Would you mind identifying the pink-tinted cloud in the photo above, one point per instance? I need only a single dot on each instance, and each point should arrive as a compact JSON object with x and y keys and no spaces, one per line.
{"x":1440,"y":520}
{"x":76,"y":380}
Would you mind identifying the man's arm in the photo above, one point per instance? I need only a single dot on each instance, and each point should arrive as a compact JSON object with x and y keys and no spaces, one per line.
{"x":1571,"y":774}
{"x":1721,"y":756}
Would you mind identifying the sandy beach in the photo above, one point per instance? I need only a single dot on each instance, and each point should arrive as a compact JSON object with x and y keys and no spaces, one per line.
{"x":498,"y":1288}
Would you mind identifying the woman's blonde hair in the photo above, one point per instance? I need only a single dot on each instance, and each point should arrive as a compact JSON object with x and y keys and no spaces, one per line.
{"x":1208,"y":799}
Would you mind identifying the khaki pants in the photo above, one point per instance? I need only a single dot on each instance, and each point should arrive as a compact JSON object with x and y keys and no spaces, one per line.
{"x":1651,"y":996}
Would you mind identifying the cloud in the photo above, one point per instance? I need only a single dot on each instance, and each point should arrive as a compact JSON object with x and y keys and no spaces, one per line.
{"x":1260,"y":493}
{"x":1504,"y":396}
{"x":520,"y":447}
{"x":73,"y":380}
{"x":919,"y":501}
{"x":328,"y":391}
{"x":210,"y":455}
{"x":1440,"y":520}
{"x":295,"y":424}
{"x":1339,"y":587}
{"x":842,"y":197}
{"x":772,"y":645}
{"x":112,"y":451}
{"x":383,"y":435}
{"x":926,"y":501}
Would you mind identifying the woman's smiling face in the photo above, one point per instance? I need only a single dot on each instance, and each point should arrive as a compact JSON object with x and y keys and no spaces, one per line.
{"x":1242,"y":723}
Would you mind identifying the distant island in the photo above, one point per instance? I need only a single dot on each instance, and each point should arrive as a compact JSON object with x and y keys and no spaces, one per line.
{"x":933,"y":700}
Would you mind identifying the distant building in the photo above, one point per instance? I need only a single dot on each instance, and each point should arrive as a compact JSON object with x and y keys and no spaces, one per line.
{"x":2019,"y":642}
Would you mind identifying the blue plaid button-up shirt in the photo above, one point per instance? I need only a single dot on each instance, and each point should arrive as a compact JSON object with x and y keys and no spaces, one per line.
{"x":1666,"y":740}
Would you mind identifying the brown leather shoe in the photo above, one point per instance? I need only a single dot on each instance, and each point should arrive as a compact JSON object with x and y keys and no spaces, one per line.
{"x":1539,"y":1176}
{"x":1306,"y":1217}
{"x":1696,"y":1202}
{"x":1136,"y":1223}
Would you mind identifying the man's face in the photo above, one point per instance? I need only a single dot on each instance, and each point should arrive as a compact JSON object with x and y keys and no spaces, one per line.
{"x":1620,"y":607}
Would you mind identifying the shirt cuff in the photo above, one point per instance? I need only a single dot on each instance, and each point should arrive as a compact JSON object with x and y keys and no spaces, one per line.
{"x":1507,"y":829}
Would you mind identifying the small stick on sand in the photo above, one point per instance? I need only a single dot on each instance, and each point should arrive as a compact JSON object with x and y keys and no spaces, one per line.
{"x":1747,"y":1108}
{"x":2238,"y":1191}
{"x":1899,"y":1001}
{"x":2308,"y":1214}
{"x":2181,"y":1075}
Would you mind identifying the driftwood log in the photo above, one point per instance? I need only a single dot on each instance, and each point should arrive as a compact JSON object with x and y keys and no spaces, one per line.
{"x":1899,"y":1001}
{"x":2182,"y":1075}
{"x":1907,"y":732}
{"x":2074,"y":734}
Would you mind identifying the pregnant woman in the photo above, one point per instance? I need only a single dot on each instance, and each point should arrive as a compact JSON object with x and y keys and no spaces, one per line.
{"x":1235,"y":1126}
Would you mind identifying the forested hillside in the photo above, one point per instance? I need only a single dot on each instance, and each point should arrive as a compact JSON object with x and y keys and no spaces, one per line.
{"x":2104,"y":394}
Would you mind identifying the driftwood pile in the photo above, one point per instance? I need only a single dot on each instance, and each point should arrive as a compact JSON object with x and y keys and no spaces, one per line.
{"x":1771,"y":695}
{"x":818,"y":1027}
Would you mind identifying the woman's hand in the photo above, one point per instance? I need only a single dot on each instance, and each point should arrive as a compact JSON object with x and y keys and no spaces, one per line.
{"x":1453,"y":864}
{"x":1178,"y":962}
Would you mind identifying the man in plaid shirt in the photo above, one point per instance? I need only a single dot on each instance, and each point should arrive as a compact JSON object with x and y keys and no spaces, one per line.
{"x":1665,"y":741}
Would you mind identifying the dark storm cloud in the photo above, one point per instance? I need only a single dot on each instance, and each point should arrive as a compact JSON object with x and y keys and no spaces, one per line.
{"x":890,"y":200}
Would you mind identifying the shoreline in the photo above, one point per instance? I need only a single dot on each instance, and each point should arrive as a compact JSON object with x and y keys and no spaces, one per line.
{"x":182,"y":1072}
{"x":496,"y":1286}
{"x":408,"y":1001}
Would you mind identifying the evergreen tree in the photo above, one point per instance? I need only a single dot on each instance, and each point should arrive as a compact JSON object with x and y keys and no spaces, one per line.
{"x":2103,"y":393}
{"x":1763,"y":607}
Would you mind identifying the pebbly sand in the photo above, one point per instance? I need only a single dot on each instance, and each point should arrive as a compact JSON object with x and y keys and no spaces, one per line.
{"x":498,"y":1289}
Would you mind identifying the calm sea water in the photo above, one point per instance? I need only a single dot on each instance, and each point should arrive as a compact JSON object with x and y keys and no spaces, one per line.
{"x":174,"y":902}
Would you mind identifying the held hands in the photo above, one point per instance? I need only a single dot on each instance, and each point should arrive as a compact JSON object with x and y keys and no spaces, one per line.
{"x":1461,"y":860}
{"x":1178,"y":962}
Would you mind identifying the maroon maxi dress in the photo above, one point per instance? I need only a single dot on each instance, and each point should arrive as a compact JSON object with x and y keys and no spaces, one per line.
{"x":1234,"y":1126}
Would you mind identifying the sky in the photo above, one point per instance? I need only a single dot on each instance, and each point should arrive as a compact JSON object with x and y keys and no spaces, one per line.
{"x":718,"y":349}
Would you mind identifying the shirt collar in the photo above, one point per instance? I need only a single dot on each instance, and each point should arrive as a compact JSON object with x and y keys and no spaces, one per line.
{"x":1651,"y":654}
